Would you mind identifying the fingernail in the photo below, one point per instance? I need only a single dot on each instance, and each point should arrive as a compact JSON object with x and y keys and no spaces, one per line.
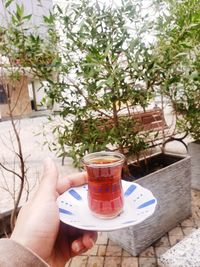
{"x":76,"y":247}
{"x":92,"y":243}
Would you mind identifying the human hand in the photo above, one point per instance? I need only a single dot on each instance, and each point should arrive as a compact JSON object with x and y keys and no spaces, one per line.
{"x":38,"y":226}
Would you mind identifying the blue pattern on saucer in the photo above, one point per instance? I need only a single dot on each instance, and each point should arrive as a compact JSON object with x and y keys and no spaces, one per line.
{"x":128,"y":222}
{"x":139,"y":205}
{"x":144,"y":205}
{"x":65,"y":211}
{"x":130,"y":190}
{"x":74,"y":193}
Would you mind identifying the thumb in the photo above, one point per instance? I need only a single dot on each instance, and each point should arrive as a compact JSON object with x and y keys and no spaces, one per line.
{"x":49,"y":178}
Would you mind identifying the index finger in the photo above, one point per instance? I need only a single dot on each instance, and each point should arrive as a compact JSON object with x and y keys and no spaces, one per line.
{"x":71,"y":180}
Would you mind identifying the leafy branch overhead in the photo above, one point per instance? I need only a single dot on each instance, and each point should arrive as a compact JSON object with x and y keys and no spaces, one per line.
{"x":178,"y":48}
{"x":107,"y":69}
{"x":25,"y":47}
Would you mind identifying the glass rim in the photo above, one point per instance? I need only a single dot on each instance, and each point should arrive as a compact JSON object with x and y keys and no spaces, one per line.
{"x":86,"y":160}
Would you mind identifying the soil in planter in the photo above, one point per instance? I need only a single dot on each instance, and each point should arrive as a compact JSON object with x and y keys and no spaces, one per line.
{"x":150,"y":165}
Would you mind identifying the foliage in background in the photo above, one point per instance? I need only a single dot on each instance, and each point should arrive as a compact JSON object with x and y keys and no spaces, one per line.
{"x":26,"y":48}
{"x":179,"y":50}
{"x":22,"y":53}
{"x":107,"y":69}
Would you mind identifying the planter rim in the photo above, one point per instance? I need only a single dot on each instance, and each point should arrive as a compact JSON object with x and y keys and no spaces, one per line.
{"x":8,"y":212}
{"x":182,"y":157}
{"x":197,"y":142}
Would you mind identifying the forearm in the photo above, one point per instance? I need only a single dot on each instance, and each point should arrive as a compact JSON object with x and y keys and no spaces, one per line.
{"x":14,"y":254}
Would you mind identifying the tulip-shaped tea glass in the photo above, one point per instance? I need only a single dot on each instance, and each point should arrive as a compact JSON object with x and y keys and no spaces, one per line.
{"x":105,"y":194}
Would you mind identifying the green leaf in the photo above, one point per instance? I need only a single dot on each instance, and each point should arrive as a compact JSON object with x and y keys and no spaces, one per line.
{"x":108,"y":48}
{"x":13,"y":18}
{"x":195,"y":75}
{"x":19,"y":12}
{"x":110,"y":81}
{"x":49,"y":19}
{"x":182,"y":54}
{"x":28,"y":17}
{"x":7,"y":4}
{"x":59,"y":9}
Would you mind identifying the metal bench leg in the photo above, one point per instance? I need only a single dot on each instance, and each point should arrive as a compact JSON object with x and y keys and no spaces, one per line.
{"x":176,"y":139}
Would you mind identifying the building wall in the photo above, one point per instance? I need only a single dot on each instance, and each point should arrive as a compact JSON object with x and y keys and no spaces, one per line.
{"x":19,"y":99}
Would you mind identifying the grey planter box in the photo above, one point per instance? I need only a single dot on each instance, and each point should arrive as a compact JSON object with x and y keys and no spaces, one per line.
{"x":194,"y":152}
{"x":172,"y":188}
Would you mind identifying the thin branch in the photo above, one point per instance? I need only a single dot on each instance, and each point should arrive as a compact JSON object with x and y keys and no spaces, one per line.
{"x":5,"y":187}
{"x":10,"y":170}
{"x":23,"y":111}
{"x":87,"y":100}
{"x":6,"y":145}
{"x":12,"y":142}
{"x":4,"y":178}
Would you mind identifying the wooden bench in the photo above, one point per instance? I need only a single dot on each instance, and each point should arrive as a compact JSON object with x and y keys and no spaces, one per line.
{"x":151,"y":121}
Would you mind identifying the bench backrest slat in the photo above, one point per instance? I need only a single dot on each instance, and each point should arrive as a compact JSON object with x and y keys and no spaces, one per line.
{"x":151,"y":120}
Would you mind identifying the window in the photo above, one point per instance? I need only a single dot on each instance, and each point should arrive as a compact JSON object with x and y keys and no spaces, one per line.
{"x":3,"y":96}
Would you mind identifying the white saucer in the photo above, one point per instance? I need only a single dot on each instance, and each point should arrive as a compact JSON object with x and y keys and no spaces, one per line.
{"x":73,"y":208}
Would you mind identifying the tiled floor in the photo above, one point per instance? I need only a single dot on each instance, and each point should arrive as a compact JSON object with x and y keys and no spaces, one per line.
{"x":107,"y":254}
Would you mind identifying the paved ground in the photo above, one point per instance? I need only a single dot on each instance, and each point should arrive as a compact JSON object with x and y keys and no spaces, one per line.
{"x":33,"y":150}
{"x":104,"y":253}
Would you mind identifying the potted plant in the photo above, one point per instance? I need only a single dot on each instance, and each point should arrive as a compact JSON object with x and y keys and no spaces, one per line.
{"x":106,"y":81}
{"x":179,"y":49}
